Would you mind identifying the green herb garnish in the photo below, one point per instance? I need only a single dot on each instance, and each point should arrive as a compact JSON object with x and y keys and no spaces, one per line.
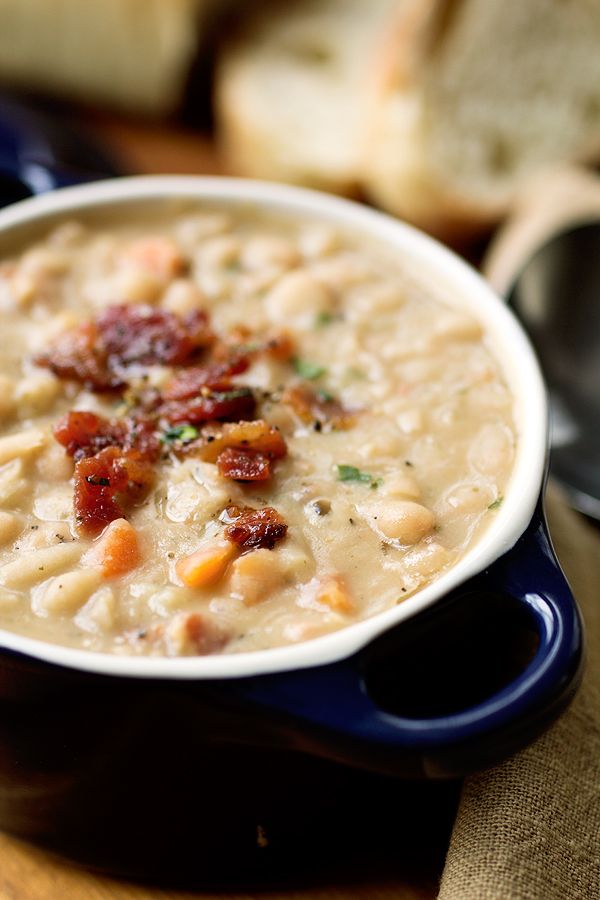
{"x":323,"y":318}
{"x":309,"y":370}
{"x":325,"y":396}
{"x":496,"y":503}
{"x":183,"y":433}
{"x":351,"y":473}
{"x":234,"y":394}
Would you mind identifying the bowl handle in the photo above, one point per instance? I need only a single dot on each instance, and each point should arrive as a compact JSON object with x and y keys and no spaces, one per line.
{"x":350,"y":725}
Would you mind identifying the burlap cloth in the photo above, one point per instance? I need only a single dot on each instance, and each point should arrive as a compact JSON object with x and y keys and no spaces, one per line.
{"x":530,"y":828}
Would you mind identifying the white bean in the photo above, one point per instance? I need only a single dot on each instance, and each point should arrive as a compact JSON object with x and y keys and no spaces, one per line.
{"x":55,"y":505}
{"x":492,"y":450}
{"x":399,"y":484}
{"x":269,"y":251}
{"x":53,"y":464}
{"x":21,"y":444}
{"x":99,"y":613}
{"x":298,"y":294}
{"x":398,"y":520}
{"x":136,"y":285}
{"x":255,"y":575}
{"x":183,"y":296}
{"x":9,"y":527}
{"x":32,"y":566}
{"x":65,"y":593}
{"x":426,"y":559}
{"x":12,"y":484}
{"x":36,"y":393}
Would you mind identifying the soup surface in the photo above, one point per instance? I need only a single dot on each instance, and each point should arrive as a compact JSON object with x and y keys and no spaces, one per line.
{"x":224,"y":433}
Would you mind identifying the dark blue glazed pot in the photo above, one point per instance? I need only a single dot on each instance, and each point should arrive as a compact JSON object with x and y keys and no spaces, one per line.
{"x":159,"y":766}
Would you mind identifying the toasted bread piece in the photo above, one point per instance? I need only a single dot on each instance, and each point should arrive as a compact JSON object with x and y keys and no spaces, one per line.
{"x":291,"y":91}
{"x":473,"y":98}
{"x":132,"y":54}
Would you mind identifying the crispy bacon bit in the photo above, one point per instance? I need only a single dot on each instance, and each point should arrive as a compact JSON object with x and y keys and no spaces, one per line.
{"x":77,"y":355}
{"x":188,"y":383}
{"x":105,"y":484}
{"x":240,"y":465}
{"x":232,"y":403}
{"x":146,"y":336}
{"x":253,"y":437}
{"x":97,"y":353}
{"x":84,"y":434}
{"x":279,"y":346}
{"x":241,"y":343}
{"x":318,"y":407}
{"x":251,"y":528}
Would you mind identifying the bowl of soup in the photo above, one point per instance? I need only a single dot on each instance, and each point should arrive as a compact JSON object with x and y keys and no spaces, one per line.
{"x":251,"y":438}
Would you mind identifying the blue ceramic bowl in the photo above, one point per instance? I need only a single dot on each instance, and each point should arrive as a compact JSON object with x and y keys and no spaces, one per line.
{"x":126,"y":763}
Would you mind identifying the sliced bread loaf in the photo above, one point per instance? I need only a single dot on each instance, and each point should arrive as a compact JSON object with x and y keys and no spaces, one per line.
{"x":132,"y":54}
{"x":291,"y":91}
{"x":473,"y":98}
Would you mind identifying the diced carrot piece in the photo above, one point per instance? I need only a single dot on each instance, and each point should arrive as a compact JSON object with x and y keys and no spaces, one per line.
{"x":332,"y":592}
{"x":157,"y":255}
{"x":206,"y":566}
{"x":116,"y":551}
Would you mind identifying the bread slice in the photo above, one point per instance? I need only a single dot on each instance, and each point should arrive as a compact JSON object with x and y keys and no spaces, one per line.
{"x":473,"y":98}
{"x":291,"y":91}
{"x":132,"y":54}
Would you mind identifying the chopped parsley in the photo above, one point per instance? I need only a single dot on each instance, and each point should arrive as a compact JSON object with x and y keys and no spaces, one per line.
{"x":183,"y":433}
{"x":324,"y":318}
{"x":351,"y":473}
{"x":309,"y":370}
{"x":496,"y":504}
{"x":233,"y":394}
{"x":325,"y":396}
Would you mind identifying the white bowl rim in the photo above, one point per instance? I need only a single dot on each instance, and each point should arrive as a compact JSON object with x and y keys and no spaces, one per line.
{"x":519,"y":366}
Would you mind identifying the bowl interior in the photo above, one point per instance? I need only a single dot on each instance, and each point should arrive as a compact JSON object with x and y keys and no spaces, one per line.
{"x":437,"y":269}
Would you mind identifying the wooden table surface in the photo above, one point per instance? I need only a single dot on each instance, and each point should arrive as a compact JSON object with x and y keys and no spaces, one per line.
{"x":27,"y":873}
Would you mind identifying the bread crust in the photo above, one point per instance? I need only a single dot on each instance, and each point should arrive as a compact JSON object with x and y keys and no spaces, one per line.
{"x":399,"y":173}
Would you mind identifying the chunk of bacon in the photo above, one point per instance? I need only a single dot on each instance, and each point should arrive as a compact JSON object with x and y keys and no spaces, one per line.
{"x":146,"y":336}
{"x":317,"y":407}
{"x":251,"y":528}
{"x":230,"y":402}
{"x":253,"y":437}
{"x":97,"y":353}
{"x":188,"y":383}
{"x":241,"y":342}
{"x":240,"y":465}
{"x":107,"y":483}
{"x":85,"y":434}
{"x":77,"y":355}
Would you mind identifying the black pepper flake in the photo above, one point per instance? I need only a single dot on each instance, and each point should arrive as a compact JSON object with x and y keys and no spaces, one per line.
{"x":351,"y":521}
{"x":97,"y":482}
